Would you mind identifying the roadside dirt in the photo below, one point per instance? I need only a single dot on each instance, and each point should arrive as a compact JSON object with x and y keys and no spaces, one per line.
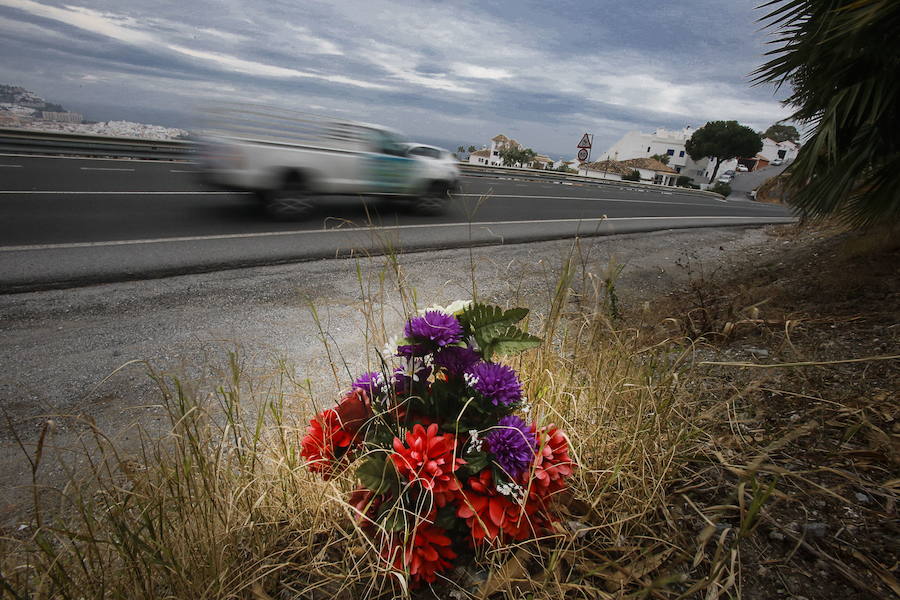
{"x":815,"y":446}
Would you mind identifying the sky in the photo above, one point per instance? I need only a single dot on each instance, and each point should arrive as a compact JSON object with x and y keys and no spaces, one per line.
{"x":452,"y":73}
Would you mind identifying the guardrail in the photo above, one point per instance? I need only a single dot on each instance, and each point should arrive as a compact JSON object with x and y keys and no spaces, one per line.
{"x":544,"y":175}
{"x":28,"y":141}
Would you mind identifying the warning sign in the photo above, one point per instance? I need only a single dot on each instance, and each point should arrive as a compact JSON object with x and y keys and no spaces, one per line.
{"x":585,"y":141}
{"x":583,"y":154}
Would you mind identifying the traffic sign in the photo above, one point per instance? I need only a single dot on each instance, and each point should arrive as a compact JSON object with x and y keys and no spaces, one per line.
{"x":583,"y":154}
{"x":585,"y":142}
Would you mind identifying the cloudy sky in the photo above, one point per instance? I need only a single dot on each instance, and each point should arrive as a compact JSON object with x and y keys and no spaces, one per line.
{"x":442,"y":72}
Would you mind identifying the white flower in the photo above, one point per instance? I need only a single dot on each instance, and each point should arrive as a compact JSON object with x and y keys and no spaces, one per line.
{"x":474,"y":441}
{"x":471,"y":380}
{"x":457,"y":306}
{"x":525,"y":407}
{"x":390,"y":348}
{"x":453,"y":308}
{"x":512,"y":490}
{"x":470,"y":341}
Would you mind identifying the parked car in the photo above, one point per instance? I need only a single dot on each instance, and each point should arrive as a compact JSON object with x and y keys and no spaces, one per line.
{"x":724,"y":178}
{"x":729,"y":172}
{"x":742,"y":168}
{"x":291,"y":160}
{"x":776,"y":163}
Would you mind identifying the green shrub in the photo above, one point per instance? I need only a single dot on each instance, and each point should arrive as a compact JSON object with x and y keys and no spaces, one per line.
{"x":683,"y":181}
{"x":721,"y":188}
{"x":633,"y":176}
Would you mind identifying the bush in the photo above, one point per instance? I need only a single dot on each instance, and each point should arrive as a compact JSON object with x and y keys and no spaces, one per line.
{"x":683,"y":181}
{"x":633,"y":176}
{"x":721,"y":188}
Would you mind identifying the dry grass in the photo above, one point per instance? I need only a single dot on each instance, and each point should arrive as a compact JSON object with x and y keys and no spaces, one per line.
{"x":678,"y":478}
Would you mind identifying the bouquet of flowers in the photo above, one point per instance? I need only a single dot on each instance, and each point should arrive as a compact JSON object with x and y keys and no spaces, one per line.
{"x":443,"y":462}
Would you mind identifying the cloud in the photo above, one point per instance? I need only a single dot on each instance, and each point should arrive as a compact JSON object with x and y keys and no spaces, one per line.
{"x":469,"y":70}
{"x":250,"y":67}
{"x":478,"y":72}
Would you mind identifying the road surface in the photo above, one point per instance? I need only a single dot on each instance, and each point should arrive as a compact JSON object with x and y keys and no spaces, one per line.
{"x":69,"y":221}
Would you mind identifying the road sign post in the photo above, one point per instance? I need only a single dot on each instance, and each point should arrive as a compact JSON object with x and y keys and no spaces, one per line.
{"x":584,"y":147}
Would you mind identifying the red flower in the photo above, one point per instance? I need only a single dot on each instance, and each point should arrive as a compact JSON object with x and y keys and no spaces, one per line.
{"x":428,"y":459}
{"x":427,"y":553}
{"x":488,"y":514}
{"x":354,"y":410}
{"x":333,"y":431}
{"x":324,"y":439}
{"x":552,"y":464}
{"x":366,"y":504}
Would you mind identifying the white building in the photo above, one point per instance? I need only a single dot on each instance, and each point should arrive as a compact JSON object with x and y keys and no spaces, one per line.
{"x":491,"y":156}
{"x":650,"y":170}
{"x":786,"y":150}
{"x":664,"y":142}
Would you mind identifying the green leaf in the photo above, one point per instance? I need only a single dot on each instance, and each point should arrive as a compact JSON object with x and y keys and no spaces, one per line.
{"x":446,"y":517}
{"x":475,"y":463}
{"x":377,"y":473}
{"x":510,"y":341}
{"x":485,"y":318}
{"x":394,"y":520}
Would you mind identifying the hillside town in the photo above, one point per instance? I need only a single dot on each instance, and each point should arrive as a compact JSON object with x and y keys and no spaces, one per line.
{"x":23,"y":109}
{"x":658,"y":158}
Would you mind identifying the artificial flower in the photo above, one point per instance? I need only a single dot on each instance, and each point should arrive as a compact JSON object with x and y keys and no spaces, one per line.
{"x":435,"y":328}
{"x":512,"y":444}
{"x":428,"y":459}
{"x":425,"y":554}
{"x":498,"y":383}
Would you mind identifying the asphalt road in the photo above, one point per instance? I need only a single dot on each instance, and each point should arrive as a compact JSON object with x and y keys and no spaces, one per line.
{"x":65,"y":221}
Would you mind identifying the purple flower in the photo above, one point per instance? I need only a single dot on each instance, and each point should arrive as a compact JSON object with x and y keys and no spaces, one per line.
{"x":412,"y":350}
{"x":496,"y":382}
{"x":512,"y":444}
{"x":371,"y":383}
{"x":456,"y":359}
{"x":403,"y":382}
{"x":435,"y":328}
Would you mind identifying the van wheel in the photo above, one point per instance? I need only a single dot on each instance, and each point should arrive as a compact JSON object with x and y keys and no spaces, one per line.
{"x":289,"y":205}
{"x":434,"y":201}
{"x":291,"y":202}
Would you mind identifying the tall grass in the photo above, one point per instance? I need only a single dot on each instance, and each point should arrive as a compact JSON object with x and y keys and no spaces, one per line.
{"x":222,"y":506}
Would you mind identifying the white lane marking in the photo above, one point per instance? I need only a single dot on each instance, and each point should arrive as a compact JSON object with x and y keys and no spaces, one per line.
{"x":105,"y":169}
{"x":181,"y":171}
{"x":130,"y":160}
{"x":128,"y":193}
{"x":11,"y":166}
{"x":235,"y":236}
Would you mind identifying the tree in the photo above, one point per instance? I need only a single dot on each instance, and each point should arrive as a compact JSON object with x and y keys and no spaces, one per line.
{"x":723,"y":140}
{"x":635,"y":175}
{"x":840,"y":59}
{"x":782,"y":133}
{"x":511,"y":155}
{"x":471,"y":149}
{"x":663,"y":158}
{"x":460,"y":149}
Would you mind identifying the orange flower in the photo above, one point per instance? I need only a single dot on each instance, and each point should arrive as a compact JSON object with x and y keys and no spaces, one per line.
{"x":427,"y":458}
{"x":426,"y":554}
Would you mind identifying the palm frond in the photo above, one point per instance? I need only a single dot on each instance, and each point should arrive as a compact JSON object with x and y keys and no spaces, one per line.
{"x":842,"y":60}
